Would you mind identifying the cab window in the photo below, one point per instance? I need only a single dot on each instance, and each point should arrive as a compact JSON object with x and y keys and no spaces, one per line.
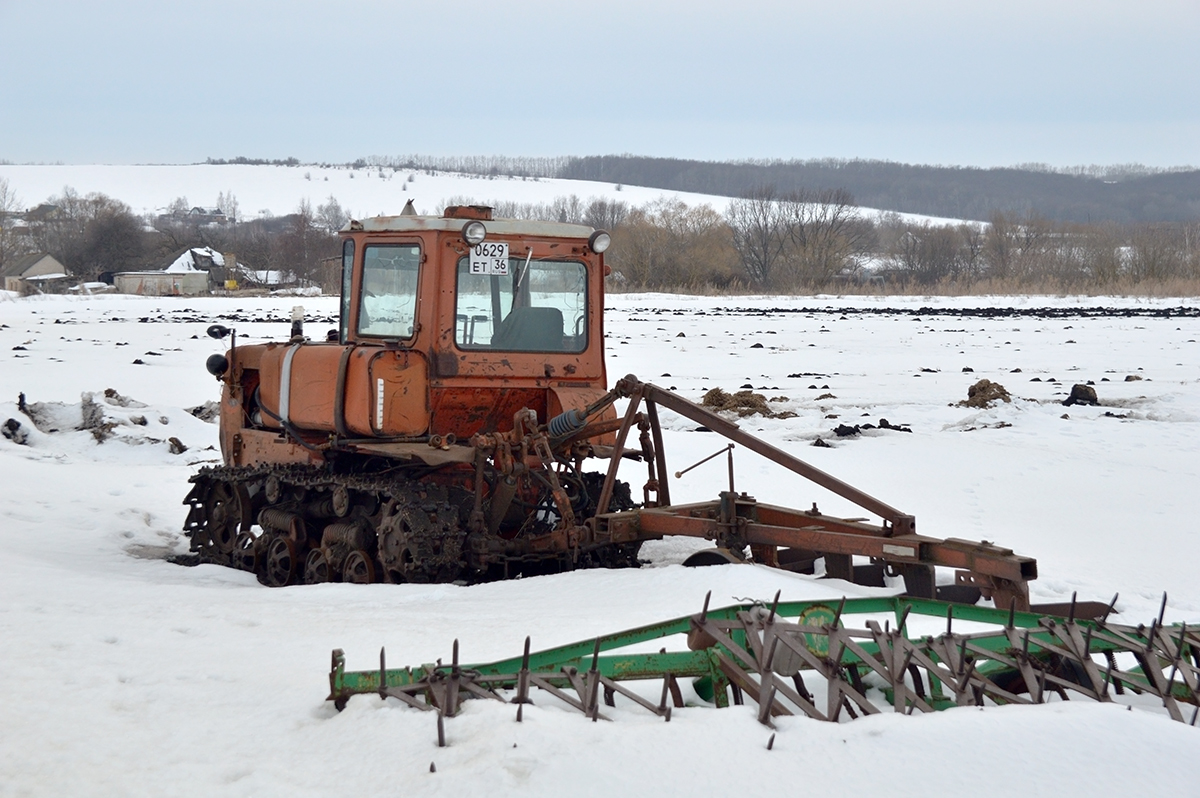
{"x":388,"y":306}
{"x":538,"y":306}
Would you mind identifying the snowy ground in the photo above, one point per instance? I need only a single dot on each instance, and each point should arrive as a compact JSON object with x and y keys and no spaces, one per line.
{"x":278,"y":190}
{"x":125,"y":675}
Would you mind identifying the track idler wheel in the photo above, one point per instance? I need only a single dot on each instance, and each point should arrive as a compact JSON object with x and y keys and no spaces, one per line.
{"x":226,"y":512}
{"x":316,"y":568}
{"x":245,"y":552}
{"x":418,"y":544}
{"x":279,"y":562}
{"x":359,"y":568}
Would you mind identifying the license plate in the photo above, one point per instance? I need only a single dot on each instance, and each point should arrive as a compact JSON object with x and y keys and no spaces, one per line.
{"x":490,"y":257}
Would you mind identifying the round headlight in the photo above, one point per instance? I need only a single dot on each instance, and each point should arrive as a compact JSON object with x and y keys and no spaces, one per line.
{"x":474,"y":233}
{"x":599,"y":241}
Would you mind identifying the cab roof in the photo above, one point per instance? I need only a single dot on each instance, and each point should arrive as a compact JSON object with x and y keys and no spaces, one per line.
{"x":502,"y":227}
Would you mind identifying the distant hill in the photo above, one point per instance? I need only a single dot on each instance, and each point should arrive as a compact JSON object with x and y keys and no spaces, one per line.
{"x":1123,"y":195}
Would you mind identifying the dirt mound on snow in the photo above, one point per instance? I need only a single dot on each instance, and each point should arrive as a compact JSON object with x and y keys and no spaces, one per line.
{"x":985,"y":393}
{"x":744,"y":403}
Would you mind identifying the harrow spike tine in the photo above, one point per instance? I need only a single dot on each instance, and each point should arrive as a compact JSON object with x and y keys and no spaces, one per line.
{"x":1107,"y":680}
{"x":774,"y":607}
{"x":1182,"y":635}
{"x":454,"y":656}
{"x":441,"y":729}
{"x":1025,"y":645}
{"x":904,"y":618}
{"x":1194,"y":716}
{"x":522,"y":697}
{"x":1162,"y":610}
{"x":662,"y":701}
{"x":1108,"y":611}
{"x":771,"y":742}
{"x":908,"y":655}
{"x":1087,"y":643}
{"x":596,"y":656}
{"x":949,"y":619}
{"x":837,"y":616}
{"x":382,"y":673}
{"x":704,"y":611}
{"x":1012,"y":612}
{"x":1071,"y":616}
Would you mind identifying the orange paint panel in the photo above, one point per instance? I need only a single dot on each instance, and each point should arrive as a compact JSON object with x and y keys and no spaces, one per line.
{"x":358,"y":391}
{"x":257,"y":446}
{"x":270,"y":364}
{"x":314,"y":386}
{"x":385,"y":389}
{"x":400,"y":389}
{"x":466,"y":410}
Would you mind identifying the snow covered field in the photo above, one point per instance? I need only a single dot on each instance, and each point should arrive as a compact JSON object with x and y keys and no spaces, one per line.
{"x":278,"y":190}
{"x":125,"y":675}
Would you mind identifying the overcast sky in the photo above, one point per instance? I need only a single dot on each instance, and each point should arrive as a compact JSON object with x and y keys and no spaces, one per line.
{"x":1053,"y":81}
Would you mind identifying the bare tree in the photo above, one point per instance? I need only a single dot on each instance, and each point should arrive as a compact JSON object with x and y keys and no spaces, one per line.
{"x":1154,"y":254}
{"x":91,"y":234}
{"x":113,"y":241}
{"x":302,"y":246}
{"x":228,"y":203}
{"x":666,"y":244}
{"x":821,"y":231}
{"x":10,"y":243}
{"x":330,"y":216}
{"x":759,"y":233}
{"x":567,"y":209}
{"x":603,"y":214}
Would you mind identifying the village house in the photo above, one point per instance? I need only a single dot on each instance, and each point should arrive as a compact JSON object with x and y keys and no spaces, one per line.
{"x":195,"y":270}
{"x":35,"y":273}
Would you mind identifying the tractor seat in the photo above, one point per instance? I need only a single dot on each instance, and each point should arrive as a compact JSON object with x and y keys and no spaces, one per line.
{"x":530,"y":329}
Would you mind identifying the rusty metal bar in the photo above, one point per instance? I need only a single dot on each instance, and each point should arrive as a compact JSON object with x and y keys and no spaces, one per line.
{"x":610,"y":479}
{"x":660,"y":455}
{"x":902,"y":523}
{"x":849,"y":539}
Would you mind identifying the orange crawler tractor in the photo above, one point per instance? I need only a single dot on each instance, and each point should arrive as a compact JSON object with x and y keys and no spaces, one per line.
{"x":444,"y":434}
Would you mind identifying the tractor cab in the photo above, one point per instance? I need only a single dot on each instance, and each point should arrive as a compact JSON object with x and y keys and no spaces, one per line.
{"x":448,"y":326}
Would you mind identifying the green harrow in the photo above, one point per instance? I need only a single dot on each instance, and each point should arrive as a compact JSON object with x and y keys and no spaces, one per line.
{"x":828,"y":661}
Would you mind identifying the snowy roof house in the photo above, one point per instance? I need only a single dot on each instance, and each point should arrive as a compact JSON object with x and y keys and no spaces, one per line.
{"x":196,"y":259}
{"x":36,"y":269}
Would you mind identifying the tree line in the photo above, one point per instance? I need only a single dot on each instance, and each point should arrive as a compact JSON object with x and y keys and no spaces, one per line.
{"x":1125,"y":193}
{"x":820,"y":240}
{"x":766,"y":240}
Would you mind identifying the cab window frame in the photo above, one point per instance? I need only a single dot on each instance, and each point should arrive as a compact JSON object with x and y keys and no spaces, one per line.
{"x":465,"y":322}
{"x":362,"y":310}
{"x":348,"y":249}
